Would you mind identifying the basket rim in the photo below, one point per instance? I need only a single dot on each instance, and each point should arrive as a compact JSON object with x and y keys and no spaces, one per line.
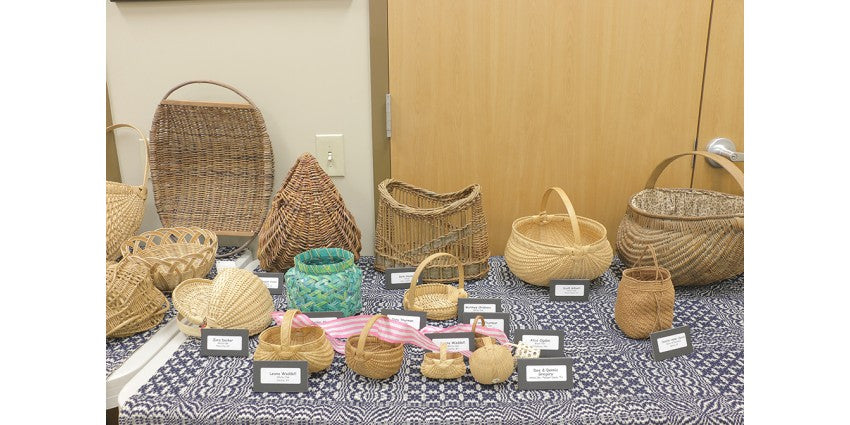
{"x":184,"y":295}
{"x":354,"y":339}
{"x":345,"y":260}
{"x":665,"y":274}
{"x":643,"y":212}
{"x":468,"y":195}
{"x":210,"y":243}
{"x":565,"y":217}
{"x":268,"y":331}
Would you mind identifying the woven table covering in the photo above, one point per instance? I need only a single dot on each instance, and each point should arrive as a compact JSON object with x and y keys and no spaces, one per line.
{"x":615,"y":378}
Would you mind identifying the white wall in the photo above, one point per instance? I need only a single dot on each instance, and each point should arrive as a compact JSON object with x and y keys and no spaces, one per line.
{"x":304,"y":63}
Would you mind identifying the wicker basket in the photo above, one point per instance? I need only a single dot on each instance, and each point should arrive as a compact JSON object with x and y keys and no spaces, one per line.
{"x":557,"y":246}
{"x":372,"y":357}
{"x":132,"y":303}
{"x":325,"y":279}
{"x":437,"y":300}
{"x":479,"y":337}
{"x":492,"y":363}
{"x":211,"y":165}
{"x":173,"y":255}
{"x":645,"y":299}
{"x":414,"y":223}
{"x":307,"y":212}
{"x":287,"y":343}
{"x":443,"y":365}
{"x":125,"y":205}
{"x":699,"y":234}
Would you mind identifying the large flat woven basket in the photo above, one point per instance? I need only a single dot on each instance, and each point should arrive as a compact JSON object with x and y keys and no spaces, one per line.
{"x":125,"y":204}
{"x":414,"y":223}
{"x":698,"y":234}
{"x":211,"y":165}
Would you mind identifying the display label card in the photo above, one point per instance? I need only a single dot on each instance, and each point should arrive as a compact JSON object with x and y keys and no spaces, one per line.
{"x":555,"y":373}
{"x":224,"y":264}
{"x":455,"y":341}
{"x":569,"y":289}
{"x":671,"y":343}
{"x":491,"y":320}
{"x":479,"y":305}
{"x":399,"y":277}
{"x":284,"y":376}
{"x":224,"y":342}
{"x":274,"y":281}
{"x":417,"y":319}
{"x":322,"y":316}
{"x":549,"y":341}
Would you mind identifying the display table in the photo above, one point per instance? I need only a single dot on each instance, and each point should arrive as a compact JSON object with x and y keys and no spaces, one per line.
{"x":616,"y":380}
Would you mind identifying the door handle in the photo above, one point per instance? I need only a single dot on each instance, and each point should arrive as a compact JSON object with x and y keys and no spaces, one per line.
{"x":725,"y":148}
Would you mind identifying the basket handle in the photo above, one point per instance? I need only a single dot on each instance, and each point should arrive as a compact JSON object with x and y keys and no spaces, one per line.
{"x":432,"y":257}
{"x":361,"y":342}
{"x":654,"y":259}
{"x":215,"y":83}
{"x":286,"y":326}
{"x":727,"y":165}
{"x":147,"y":146}
{"x":475,"y":322}
{"x":571,"y":212}
{"x":444,"y":350}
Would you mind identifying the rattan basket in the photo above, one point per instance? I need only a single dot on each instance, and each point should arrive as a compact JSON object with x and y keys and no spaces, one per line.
{"x":287,"y":343}
{"x":372,"y":357}
{"x":173,"y":255}
{"x":414,"y":223}
{"x":699,"y":234}
{"x":132,"y":303}
{"x":437,"y":300}
{"x":557,"y":246}
{"x":125,"y":204}
{"x":479,"y":337}
{"x":442,"y":364}
{"x":645,"y":299}
{"x":211,"y":165}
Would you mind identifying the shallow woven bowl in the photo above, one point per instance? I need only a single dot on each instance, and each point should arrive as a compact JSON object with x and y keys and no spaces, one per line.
{"x":173,"y":254}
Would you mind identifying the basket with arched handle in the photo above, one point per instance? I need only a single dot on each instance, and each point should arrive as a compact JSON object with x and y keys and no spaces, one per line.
{"x":443,"y":364}
{"x":372,"y":357}
{"x":284,"y":342}
{"x":125,"y":204}
{"x":437,"y":300}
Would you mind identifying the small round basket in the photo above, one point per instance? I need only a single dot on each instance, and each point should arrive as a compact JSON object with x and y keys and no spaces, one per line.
{"x":325,"y":279}
{"x":173,"y":254}
{"x":491,"y":364}
{"x":372,"y":357}
{"x":132,"y":303}
{"x":479,"y":337}
{"x":443,"y":365}
{"x":645,"y":299}
{"x":287,"y":343}
{"x":437,"y":300}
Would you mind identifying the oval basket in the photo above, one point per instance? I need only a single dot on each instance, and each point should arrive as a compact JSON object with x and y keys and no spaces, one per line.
{"x":372,"y":357}
{"x":325,"y":279}
{"x":443,"y":365}
{"x":437,"y":300}
{"x":287,"y":343}
{"x":645,"y":299}
{"x":133,"y":304}
{"x":557,"y":246}
{"x":125,"y":204}
{"x":173,"y":254}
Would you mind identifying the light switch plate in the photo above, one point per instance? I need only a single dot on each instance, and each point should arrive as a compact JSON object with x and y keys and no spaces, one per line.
{"x":331,"y":154}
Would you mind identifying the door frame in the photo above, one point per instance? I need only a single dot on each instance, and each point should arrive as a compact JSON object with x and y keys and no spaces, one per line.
{"x":379,"y":59}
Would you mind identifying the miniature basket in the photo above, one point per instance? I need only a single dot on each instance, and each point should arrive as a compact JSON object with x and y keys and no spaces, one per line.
{"x":325,"y":279}
{"x":557,"y":246}
{"x":211,"y":165}
{"x":443,"y":365}
{"x":132,"y":303}
{"x":287,"y":343}
{"x":125,"y":204}
{"x":492,"y":363}
{"x":235,"y":299}
{"x":699,"y":234}
{"x":370,"y":356}
{"x":645,"y":299}
{"x":307,"y":212}
{"x":174,"y":254}
{"x":437,"y":300}
{"x":479,"y":337}
{"x":414,"y":223}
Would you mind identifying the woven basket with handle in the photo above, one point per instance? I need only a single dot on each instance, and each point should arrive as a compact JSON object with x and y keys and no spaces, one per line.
{"x":443,"y":365}
{"x":437,"y":300}
{"x":698,"y":234}
{"x":125,"y":204}
{"x":479,"y":337}
{"x":211,"y":165}
{"x":173,"y":255}
{"x":133,"y":304}
{"x":645,"y":299}
{"x":557,"y":246}
{"x":287,"y":343}
{"x":372,"y":357}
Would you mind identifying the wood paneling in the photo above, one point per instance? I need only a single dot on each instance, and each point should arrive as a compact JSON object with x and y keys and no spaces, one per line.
{"x":378,"y":58}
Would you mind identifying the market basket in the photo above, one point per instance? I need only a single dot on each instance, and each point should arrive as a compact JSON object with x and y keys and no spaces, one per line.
{"x":698,"y":234}
{"x":645,"y":299}
{"x":173,"y":254}
{"x":443,"y":365}
{"x":211,"y":165}
{"x":133,"y":304}
{"x":437,"y":300}
{"x":479,"y":337}
{"x":557,"y":246}
{"x":125,"y":204}
{"x":372,"y":357}
{"x":287,"y":343}
{"x":325,"y":279}
{"x":414,"y":223}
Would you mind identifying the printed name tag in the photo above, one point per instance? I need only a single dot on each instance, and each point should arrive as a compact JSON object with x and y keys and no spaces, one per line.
{"x":455,"y":341}
{"x":274,"y":281}
{"x":671,"y":343}
{"x":323,"y":316}
{"x":479,"y":305}
{"x":281,"y":376}
{"x":549,"y":341}
{"x":569,"y":290}
{"x":499,"y":321}
{"x":399,"y":277}
{"x":554,"y":373}
{"x":224,"y":342}
{"x":417,"y":319}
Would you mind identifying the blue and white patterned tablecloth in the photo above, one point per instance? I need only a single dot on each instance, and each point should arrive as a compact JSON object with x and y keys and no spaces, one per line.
{"x":616,"y":381}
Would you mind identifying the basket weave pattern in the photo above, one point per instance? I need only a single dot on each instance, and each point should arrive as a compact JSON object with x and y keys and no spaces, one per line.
{"x":645,"y":300}
{"x":287,"y":343}
{"x":174,"y":254}
{"x":437,"y":300}
{"x":372,"y":357}
{"x":133,"y":304}
{"x":125,"y":205}
{"x":443,"y":365}
{"x":479,"y":337}
{"x":325,"y":279}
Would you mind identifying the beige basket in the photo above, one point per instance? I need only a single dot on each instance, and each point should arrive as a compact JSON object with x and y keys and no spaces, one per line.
{"x":492,"y":363}
{"x":479,"y":337}
{"x":443,"y":365}
{"x":173,"y":254}
{"x":699,"y":234}
{"x":287,"y":343}
{"x":372,"y":357}
{"x":437,"y":300}
{"x":125,"y":204}
{"x":132,"y":303}
{"x":557,"y":246}
{"x":645,"y":299}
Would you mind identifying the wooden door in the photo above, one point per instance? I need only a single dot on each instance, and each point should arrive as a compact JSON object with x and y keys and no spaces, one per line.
{"x":520,"y":95}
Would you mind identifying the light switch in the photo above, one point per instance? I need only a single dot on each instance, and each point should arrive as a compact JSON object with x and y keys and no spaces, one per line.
{"x":331,"y":154}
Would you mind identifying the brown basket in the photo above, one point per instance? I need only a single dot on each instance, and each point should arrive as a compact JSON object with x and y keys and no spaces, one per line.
{"x":443,"y":365}
{"x":125,"y":204}
{"x":437,"y":300}
{"x":414,"y":223}
{"x":211,"y":165}
{"x":173,"y":255}
{"x":372,"y":357}
{"x":479,"y":337}
{"x":557,"y":246}
{"x":287,"y":343}
{"x":306,"y":213}
{"x":699,"y":234}
{"x":645,"y":299}
{"x":132,"y":303}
